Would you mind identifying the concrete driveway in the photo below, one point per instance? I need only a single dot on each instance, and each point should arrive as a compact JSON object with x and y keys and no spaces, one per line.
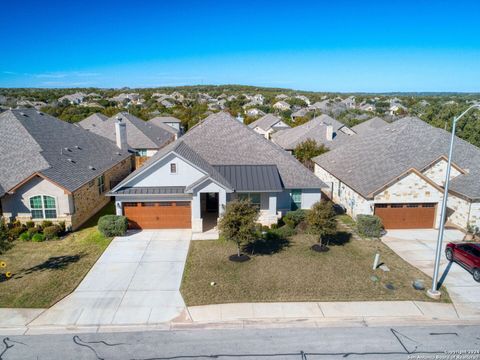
{"x":418,"y":248}
{"x":135,"y":281}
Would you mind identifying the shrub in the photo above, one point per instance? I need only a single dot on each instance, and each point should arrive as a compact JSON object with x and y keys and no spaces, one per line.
{"x":38,"y":237}
{"x":32,"y":231}
{"x":284,"y":231}
{"x":321,"y":220}
{"x":62,"y":227}
{"x":369,"y":225}
{"x":24,"y":236}
{"x":5,"y":243}
{"x":30,"y":224}
{"x":16,"y":231}
{"x":51,"y":232}
{"x":293,"y":218}
{"x":46,"y":223}
{"x":112,"y":225}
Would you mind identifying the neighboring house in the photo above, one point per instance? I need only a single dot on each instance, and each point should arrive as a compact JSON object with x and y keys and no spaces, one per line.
{"x":281,"y":105}
{"x":131,"y":98}
{"x":396,"y":109}
{"x":53,"y":170}
{"x":146,"y":139}
{"x":73,"y":99}
{"x":167,"y":104}
{"x":188,"y":183}
{"x":281,"y":97}
{"x":169,"y":123}
{"x":323,"y":129}
{"x":268,"y":124}
{"x":322,"y":106}
{"x":303,"y":98}
{"x":254,"y":112}
{"x":367,"y":107}
{"x":397,"y":172}
{"x":92,"y":121}
{"x":300,"y":114}
{"x":349,"y":102}
{"x":366,"y":127}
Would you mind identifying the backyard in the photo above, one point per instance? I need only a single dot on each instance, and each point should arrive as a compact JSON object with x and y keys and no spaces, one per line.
{"x":293,"y":272}
{"x":45,"y":272}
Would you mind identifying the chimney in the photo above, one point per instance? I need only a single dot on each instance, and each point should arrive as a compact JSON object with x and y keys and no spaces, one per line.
{"x":329,"y":132}
{"x":121,"y":134}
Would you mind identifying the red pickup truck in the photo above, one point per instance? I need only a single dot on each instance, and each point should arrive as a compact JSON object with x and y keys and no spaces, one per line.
{"x":467,"y":255}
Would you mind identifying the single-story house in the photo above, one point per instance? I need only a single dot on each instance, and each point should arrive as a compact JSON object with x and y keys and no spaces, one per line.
{"x":169,"y":123}
{"x":268,"y":124}
{"x":188,"y":183}
{"x":73,"y":99}
{"x":323,"y":129}
{"x":367,"y":126}
{"x":397,"y":172}
{"x":93,"y":120}
{"x":145,"y":138}
{"x":282,"y":106}
{"x":254,"y":112}
{"x":53,"y":170}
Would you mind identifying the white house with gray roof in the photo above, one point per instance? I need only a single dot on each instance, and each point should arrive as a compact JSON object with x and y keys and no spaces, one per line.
{"x":53,"y":170}
{"x":168,"y":123}
{"x":188,"y":183}
{"x":268,"y":124}
{"x":397,"y":172}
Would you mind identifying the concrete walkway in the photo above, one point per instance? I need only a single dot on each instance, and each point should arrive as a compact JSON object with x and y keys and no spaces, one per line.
{"x":135,"y":281}
{"x":418,"y":248}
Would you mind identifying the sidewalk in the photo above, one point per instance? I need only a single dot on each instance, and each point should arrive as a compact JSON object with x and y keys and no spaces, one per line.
{"x":241,"y":315}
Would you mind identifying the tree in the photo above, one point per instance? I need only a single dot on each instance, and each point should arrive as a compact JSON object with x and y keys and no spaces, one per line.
{"x":5,"y":243}
{"x":307,"y":150}
{"x":321,"y":221}
{"x":238,"y":223}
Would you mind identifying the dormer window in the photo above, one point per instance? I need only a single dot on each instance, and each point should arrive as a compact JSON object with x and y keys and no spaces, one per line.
{"x":173,"y":168}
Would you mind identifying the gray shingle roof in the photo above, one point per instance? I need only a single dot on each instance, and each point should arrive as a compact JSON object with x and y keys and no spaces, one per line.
{"x":221,"y":140}
{"x":266,"y":122}
{"x":161,"y":121}
{"x":92,"y":121}
{"x":365,"y":127}
{"x":314,"y":129}
{"x":140,"y":134}
{"x":251,"y":177}
{"x":32,"y":142}
{"x":369,"y":162}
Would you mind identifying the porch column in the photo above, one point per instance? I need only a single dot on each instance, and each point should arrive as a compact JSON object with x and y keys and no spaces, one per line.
{"x":222,"y":202}
{"x":197,"y":222}
{"x":118,"y":208}
{"x":272,"y":203}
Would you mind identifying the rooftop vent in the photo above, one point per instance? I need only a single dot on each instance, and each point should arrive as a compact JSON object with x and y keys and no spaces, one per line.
{"x":67,"y":149}
{"x":23,"y":114}
{"x":78,"y":147}
{"x":91,"y":167}
{"x":71,"y":160}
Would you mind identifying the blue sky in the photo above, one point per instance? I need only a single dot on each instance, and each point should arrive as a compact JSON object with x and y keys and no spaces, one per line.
{"x":373,"y":46}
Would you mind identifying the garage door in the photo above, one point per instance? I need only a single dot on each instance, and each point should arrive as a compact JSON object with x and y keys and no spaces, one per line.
{"x":406,"y":216}
{"x":159,"y":215}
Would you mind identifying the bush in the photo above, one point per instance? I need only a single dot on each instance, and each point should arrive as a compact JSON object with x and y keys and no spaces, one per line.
{"x":38,"y":237}
{"x":51,"y":232}
{"x":46,"y":223}
{"x":321,"y":221}
{"x":5,"y":243}
{"x":16,"y":231}
{"x":24,"y":236}
{"x":62,"y":227}
{"x":113,"y":225}
{"x":30,"y":224}
{"x":369,"y":225}
{"x":32,"y":231}
{"x":284,"y":232}
{"x":293,"y":218}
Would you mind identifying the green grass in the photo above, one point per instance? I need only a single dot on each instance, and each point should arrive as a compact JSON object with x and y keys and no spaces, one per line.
{"x":44,"y":273}
{"x":296,"y":273}
{"x":347,"y":220}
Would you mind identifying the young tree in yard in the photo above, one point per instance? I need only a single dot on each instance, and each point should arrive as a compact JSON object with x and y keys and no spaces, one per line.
{"x":4,"y":239}
{"x":238,"y":223}
{"x":307,"y":150}
{"x":321,"y":222}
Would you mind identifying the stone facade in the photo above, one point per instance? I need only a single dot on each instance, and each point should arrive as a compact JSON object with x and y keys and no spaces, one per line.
{"x":88,"y":199}
{"x":437,"y":172}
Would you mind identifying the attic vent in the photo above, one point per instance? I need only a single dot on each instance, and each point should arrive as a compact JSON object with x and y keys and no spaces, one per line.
{"x":67,"y":149}
{"x":71,"y":160}
{"x":119,"y":153}
{"x":91,"y":167}
{"x":23,"y":114}
{"x":78,"y":147}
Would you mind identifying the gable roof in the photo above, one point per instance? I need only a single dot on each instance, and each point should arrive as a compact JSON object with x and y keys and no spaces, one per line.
{"x":162,"y":122}
{"x":369,"y":162}
{"x":92,"y":121}
{"x":315,"y":129}
{"x":221,"y":140}
{"x":35,"y":143}
{"x":140,"y":134}
{"x":266,"y":122}
{"x":365,"y":127}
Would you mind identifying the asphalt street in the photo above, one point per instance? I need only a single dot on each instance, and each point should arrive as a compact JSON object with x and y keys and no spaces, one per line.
{"x":433,"y":342}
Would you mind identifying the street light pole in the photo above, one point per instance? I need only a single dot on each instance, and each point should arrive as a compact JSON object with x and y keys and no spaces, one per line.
{"x":434,"y":292}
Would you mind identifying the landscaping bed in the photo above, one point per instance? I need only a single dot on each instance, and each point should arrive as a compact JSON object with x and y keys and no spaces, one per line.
{"x":45,"y":272}
{"x":293,"y":272}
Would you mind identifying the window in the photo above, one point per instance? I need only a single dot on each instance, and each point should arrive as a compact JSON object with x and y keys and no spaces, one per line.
{"x":428,"y":205}
{"x":148,"y":204}
{"x":101,"y":184}
{"x":396,"y":205}
{"x":142,"y":152}
{"x":254,"y":198}
{"x":43,"y":207}
{"x":173,"y":168}
{"x":130,"y":204}
{"x":381,"y":205}
{"x":412,"y":205}
{"x":296,"y":199}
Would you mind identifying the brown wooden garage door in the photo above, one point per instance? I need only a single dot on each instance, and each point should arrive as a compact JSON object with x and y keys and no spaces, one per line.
{"x":406,"y":216}
{"x":159,"y":215}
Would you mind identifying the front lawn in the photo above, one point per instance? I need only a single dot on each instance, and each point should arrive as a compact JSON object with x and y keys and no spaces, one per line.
{"x":45,"y":272}
{"x":296,"y":273}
